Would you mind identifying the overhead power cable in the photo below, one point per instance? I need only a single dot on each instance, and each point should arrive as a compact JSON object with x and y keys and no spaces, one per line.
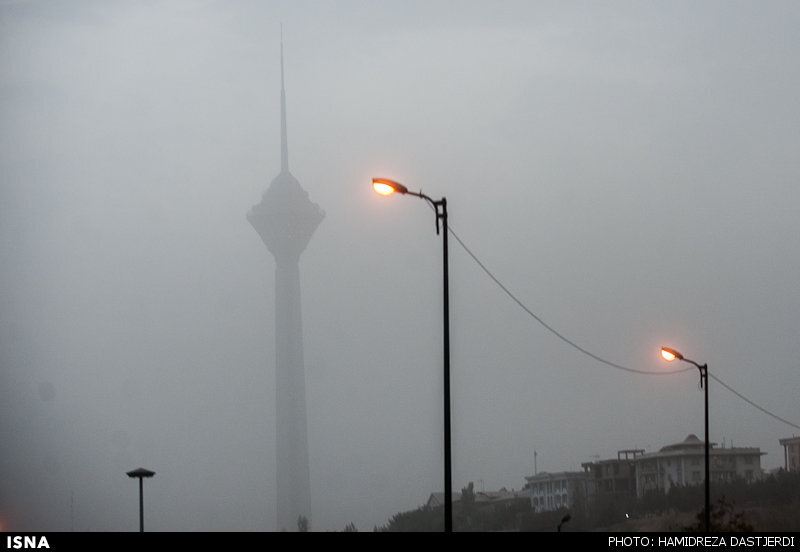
{"x":552,"y":330}
{"x":751,"y":403}
{"x":592,"y":355}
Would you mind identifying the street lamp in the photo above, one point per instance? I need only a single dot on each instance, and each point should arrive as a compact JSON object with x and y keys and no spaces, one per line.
{"x":564,"y":519}
{"x":386,"y":187}
{"x":670,"y":355}
{"x":141,"y":473}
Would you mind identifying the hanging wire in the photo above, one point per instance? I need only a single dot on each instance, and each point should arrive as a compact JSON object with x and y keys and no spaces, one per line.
{"x":552,"y":330}
{"x":592,"y":355}
{"x":751,"y":403}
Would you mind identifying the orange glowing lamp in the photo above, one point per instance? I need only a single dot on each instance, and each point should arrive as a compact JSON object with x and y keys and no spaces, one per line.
{"x":386,"y":187}
{"x":670,"y":354}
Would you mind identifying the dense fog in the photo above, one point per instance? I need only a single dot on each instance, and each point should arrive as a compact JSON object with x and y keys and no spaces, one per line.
{"x":627,"y":171}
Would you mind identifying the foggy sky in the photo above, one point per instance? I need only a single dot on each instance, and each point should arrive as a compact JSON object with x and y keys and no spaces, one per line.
{"x":628,"y":170}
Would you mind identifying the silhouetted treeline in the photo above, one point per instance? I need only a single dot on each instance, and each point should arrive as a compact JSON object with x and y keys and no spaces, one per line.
{"x":772,"y":504}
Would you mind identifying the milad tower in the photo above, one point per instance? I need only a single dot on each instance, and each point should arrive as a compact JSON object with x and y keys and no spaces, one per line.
{"x":286,"y":219}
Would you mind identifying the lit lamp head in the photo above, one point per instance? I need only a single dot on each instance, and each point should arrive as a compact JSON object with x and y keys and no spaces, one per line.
{"x":386,"y":187}
{"x":670,"y":354}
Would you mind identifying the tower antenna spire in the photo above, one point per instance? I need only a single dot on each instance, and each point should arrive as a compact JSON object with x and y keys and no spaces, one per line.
{"x":284,"y":139}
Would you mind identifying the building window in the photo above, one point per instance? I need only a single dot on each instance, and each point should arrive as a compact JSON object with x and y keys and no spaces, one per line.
{"x":695,"y":476}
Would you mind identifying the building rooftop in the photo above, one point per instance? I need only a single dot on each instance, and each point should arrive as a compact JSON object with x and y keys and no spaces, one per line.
{"x":546,"y":476}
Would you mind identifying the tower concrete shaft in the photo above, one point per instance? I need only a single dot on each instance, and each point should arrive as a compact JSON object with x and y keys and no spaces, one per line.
{"x":286,"y":219}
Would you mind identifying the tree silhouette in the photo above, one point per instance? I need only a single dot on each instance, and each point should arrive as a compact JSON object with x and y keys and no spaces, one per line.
{"x":302,"y":524}
{"x":723,"y":518}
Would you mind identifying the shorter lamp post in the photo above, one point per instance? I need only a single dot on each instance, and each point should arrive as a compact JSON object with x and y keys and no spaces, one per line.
{"x":141,"y":473}
{"x":564,"y":519}
{"x":670,"y":355}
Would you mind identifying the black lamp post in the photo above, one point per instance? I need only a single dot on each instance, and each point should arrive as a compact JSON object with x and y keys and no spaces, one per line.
{"x":672,"y":354}
{"x":141,"y":473}
{"x":564,"y":519}
{"x":384,"y":186}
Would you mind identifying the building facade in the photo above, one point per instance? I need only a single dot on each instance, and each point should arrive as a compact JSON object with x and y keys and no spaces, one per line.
{"x":791,"y":453}
{"x":554,"y":491}
{"x":635,"y":473}
{"x":683,"y":464}
{"x":613,"y":477}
